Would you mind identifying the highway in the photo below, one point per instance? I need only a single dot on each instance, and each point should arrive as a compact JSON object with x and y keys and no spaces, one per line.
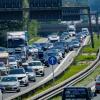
{"x":48,"y":73}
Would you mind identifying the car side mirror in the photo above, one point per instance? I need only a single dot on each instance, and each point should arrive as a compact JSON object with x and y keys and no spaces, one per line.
{"x":26,"y":72}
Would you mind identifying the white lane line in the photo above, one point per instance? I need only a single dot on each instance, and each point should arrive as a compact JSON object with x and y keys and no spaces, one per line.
{"x":57,"y":67}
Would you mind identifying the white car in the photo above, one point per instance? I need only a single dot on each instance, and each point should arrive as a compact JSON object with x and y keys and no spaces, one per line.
{"x":10,"y":83}
{"x":71,"y":30}
{"x":12,"y":61}
{"x":38,"y":67}
{"x":20,"y":74}
{"x":86,"y":30}
{"x":53,"y":38}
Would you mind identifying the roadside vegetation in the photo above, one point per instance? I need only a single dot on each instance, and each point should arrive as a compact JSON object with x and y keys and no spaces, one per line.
{"x":80,"y":63}
{"x":89,"y":54}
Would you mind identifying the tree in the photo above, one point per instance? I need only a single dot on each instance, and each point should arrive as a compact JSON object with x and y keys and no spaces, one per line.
{"x":33,"y":28}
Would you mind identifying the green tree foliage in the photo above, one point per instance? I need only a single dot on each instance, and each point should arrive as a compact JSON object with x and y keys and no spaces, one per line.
{"x":33,"y":28}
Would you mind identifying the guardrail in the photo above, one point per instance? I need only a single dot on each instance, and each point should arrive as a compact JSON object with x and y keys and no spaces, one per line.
{"x":31,"y":90}
{"x":69,"y":82}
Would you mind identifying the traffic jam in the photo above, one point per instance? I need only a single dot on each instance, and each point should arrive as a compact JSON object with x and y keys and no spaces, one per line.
{"x":21,"y":63}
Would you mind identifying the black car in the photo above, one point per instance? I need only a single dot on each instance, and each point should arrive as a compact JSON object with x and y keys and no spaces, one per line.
{"x":61,"y":50}
{"x":70,"y":46}
{"x":62,"y":45}
{"x":46,"y":46}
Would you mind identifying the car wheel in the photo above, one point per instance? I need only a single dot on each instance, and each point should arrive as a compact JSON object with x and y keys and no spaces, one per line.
{"x":27,"y":84}
{"x":18,"y":90}
{"x":43,"y":75}
{"x":58,"y":62}
{"x":63,"y":55}
{"x":47,"y":65}
{"x":34,"y":80}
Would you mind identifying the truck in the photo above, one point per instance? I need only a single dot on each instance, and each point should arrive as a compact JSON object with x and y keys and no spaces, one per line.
{"x":16,"y":40}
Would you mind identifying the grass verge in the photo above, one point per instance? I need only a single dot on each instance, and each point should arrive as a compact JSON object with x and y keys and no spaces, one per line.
{"x":88,"y":48}
{"x":33,"y":40}
{"x":85,"y":58}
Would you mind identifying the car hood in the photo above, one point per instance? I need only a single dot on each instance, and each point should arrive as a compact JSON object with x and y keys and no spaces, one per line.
{"x":2,"y":68}
{"x":13,"y":63}
{"x":17,"y":75}
{"x":31,"y":74}
{"x":36,"y":67}
{"x":8,"y":83}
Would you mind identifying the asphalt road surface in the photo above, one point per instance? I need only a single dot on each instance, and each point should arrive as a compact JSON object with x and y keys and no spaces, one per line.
{"x":48,"y":74}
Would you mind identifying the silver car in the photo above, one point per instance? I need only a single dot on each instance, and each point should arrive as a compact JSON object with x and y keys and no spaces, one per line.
{"x":31,"y":74}
{"x":10,"y":83}
{"x":21,"y":75}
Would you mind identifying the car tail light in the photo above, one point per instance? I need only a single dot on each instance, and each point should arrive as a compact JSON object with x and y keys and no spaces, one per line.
{"x":97,"y":84}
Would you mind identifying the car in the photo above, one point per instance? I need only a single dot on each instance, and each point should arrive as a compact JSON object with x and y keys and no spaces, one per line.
{"x":61,"y":49}
{"x":71,"y":30}
{"x":76,"y":44}
{"x":20,"y":74}
{"x":53,"y":38}
{"x":31,"y":74}
{"x":10,"y":83}
{"x":85,"y":30}
{"x":62,"y":45}
{"x":2,"y":49}
{"x":64,"y":36}
{"x":12,"y":61}
{"x":49,"y":54}
{"x":57,"y":51}
{"x":37,"y":66}
{"x":3,"y":67}
{"x":70,"y":46}
{"x":20,"y":55}
{"x":97,"y":84}
{"x":36,"y":47}
{"x":46,"y":46}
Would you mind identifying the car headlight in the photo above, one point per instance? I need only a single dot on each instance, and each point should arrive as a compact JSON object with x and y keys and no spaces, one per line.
{"x":41,"y":69}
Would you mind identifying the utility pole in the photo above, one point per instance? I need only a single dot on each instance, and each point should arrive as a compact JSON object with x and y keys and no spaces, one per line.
{"x":90,"y":28}
{"x":97,"y":25}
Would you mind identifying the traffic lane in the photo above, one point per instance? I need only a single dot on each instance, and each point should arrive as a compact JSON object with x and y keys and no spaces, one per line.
{"x":48,"y":74}
{"x":48,"y":71}
{"x":96,"y":97}
{"x":31,"y":84}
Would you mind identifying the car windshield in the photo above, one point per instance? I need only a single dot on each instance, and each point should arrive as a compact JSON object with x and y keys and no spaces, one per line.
{"x":12,"y":59}
{"x":30,"y":47}
{"x":2,"y":49}
{"x":8,"y":79}
{"x":76,"y":42}
{"x":29,"y":70}
{"x":52,"y":54}
{"x":71,"y":30}
{"x":17,"y":71}
{"x":35,"y":64}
